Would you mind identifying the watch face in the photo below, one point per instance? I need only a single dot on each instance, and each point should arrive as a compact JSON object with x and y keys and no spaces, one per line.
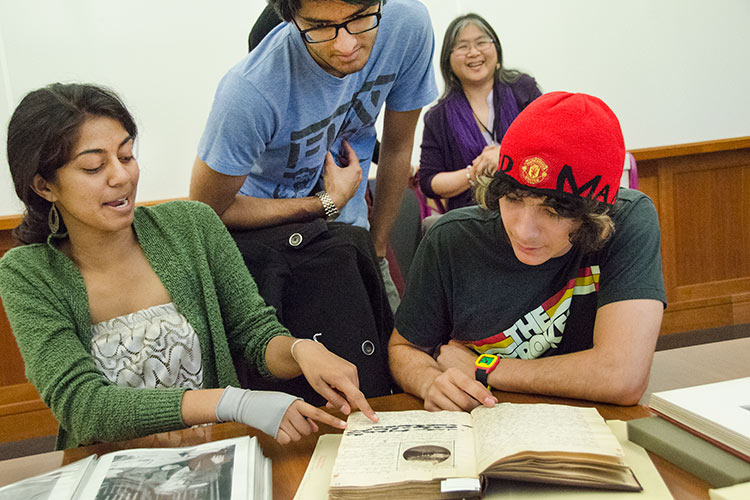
{"x":485,"y":360}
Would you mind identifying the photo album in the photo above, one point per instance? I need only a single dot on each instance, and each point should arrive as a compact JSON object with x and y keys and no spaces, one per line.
{"x":231,"y":469}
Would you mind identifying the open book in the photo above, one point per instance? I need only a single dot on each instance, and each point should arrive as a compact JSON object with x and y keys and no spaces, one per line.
{"x":232,"y":469}
{"x":420,"y":454}
{"x":718,"y":412}
{"x":314,"y":485}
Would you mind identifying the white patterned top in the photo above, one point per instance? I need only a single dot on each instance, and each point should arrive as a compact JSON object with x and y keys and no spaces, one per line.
{"x":154,"y":347}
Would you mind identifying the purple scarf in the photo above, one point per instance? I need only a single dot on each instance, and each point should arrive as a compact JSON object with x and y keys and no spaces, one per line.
{"x":461,"y":120}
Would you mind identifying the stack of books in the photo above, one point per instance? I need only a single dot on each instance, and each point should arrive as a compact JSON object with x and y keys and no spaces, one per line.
{"x":703,"y":429}
{"x":232,"y":469}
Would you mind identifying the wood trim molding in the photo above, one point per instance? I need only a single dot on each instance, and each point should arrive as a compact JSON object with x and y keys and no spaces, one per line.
{"x":9,"y":222}
{"x":19,"y":398}
{"x":692,"y":148}
{"x":23,"y":415}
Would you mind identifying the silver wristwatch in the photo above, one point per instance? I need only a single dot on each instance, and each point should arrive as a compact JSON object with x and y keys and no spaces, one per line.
{"x":329,"y":207}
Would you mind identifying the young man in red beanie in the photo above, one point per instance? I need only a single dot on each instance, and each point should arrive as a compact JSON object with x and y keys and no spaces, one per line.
{"x":553,"y":285}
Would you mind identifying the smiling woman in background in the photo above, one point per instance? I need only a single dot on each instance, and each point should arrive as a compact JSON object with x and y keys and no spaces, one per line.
{"x":481,"y":99}
{"x":127,"y":318}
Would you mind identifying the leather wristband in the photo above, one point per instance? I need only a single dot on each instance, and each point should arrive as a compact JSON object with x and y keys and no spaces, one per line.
{"x":329,"y":207}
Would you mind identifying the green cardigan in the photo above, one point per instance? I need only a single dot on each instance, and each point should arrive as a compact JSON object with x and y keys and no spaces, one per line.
{"x":196,"y":259}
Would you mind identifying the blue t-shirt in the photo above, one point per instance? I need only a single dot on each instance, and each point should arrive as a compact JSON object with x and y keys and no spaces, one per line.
{"x":276,"y":113}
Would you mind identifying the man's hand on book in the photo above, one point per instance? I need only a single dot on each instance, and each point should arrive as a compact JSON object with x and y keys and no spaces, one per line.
{"x":454,"y":390}
{"x":332,"y":377}
{"x":456,"y":355}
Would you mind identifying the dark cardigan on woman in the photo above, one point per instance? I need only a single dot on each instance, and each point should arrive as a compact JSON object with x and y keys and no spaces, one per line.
{"x":440,"y":150}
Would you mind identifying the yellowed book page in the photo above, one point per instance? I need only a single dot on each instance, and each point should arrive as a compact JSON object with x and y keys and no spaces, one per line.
{"x":511,"y":428}
{"x":405,"y":446}
{"x":635,"y":457}
{"x":314,"y":484}
{"x":737,"y":492}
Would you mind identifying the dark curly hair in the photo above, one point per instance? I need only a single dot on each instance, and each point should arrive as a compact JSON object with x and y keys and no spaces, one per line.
{"x":42,"y":133}
{"x":596,"y":226}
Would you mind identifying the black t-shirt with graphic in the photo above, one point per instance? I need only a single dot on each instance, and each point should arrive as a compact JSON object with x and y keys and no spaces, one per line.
{"x":466,"y":284}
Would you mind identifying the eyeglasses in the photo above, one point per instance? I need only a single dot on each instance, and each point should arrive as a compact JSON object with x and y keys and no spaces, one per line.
{"x":354,"y":26}
{"x":482,"y":45}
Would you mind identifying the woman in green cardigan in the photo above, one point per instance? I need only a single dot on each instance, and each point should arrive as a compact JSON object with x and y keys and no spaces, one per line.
{"x":127,"y":318}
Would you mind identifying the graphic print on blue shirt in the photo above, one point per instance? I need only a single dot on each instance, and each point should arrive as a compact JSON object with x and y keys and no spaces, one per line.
{"x":352,"y":120}
{"x":277,"y":112}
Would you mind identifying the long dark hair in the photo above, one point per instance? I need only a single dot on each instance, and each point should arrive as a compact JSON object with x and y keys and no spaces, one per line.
{"x":42,"y":133}
{"x":452,"y":83}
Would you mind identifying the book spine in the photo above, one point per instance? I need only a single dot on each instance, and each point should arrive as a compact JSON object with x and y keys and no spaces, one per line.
{"x":689,"y":452}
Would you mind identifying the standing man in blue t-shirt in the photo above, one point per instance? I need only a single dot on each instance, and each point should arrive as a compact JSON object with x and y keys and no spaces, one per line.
{"x":292,"y":128}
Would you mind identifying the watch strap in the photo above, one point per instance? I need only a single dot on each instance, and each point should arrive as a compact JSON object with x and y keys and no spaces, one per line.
{"x":481,"y":375}
{"x":329,"y":207}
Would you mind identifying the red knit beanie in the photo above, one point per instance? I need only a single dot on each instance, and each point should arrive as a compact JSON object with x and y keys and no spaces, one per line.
{"x":568,"y":144}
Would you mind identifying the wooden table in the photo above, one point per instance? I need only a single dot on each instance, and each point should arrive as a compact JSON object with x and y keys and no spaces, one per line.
{"x":290,"y":461}
{"x":698,"y":364}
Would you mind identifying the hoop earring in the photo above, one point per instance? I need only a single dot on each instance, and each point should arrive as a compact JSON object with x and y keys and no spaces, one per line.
{"x":53,"y":220}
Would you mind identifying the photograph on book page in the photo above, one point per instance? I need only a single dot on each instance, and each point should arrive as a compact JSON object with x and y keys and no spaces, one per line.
{"x":405,"y":446}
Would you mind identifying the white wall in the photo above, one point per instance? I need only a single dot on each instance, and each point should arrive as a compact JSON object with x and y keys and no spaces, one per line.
{"x":164,"y":57}
{"x":674,"y":71}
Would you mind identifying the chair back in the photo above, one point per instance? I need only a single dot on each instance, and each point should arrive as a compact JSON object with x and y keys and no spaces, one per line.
{"x":629,"y":177}
{"x":427,"y":206}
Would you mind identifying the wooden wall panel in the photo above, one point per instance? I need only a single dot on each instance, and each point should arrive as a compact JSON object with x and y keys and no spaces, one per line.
{"x":711,"y":229}
{"x":648,"y":182}
{"x":12,"y":371}
{"x":688,"y":315}
{"x":23,"y":415}
{"x":12,"y":366}
{"x":27,"y":425}
{"x":741,"y":309}
{"x":702,"y":195}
